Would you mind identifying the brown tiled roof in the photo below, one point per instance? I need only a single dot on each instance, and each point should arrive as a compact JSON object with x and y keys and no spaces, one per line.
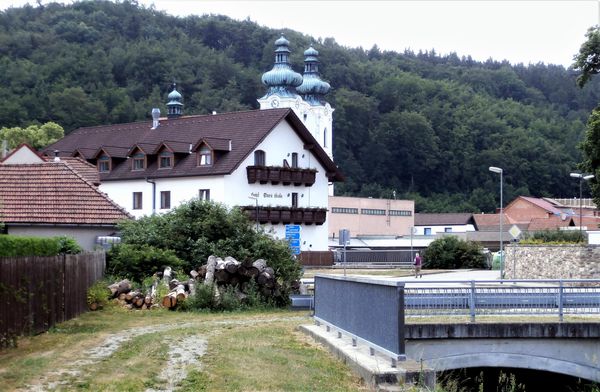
{"x":423,"y":219}
{"x":550,"y":223}
{"x":491,"y":222}
{"x":542,"y":203}
{"x":82,"y":167}
{"x":245,"y":130}
{"x":53,"y":193}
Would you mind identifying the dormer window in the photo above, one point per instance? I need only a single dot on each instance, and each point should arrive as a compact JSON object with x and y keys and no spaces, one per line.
{"x":104,"y":164}
{"x":138,"y":161}
{"x":165,"y":160}
{"x":205,"y":157}
{"x":259,"y":158}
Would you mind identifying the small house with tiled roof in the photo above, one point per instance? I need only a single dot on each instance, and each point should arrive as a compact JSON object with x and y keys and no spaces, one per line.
{"x":50,"y":198}
{"x":434,"y":223}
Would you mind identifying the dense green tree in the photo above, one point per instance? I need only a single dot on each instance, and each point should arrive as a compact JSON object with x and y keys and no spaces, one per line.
{"x":588,"y":58}
{"x":451,"y":252}
{"x":591,"y":151}
{"x":419,"y":124}
{"x":34,"y":135}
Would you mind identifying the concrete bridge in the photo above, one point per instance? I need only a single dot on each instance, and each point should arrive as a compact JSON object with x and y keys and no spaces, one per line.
{"x":362,"y":319}
{"x":566,"y":348}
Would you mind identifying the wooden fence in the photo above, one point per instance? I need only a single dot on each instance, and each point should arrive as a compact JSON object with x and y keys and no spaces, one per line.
{"x":38,"y":292}
{"x":316,"y":259}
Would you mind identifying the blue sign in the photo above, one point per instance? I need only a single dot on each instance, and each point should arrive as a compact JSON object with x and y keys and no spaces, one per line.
{"x":292,"y":234}
{"x":292,"y":229}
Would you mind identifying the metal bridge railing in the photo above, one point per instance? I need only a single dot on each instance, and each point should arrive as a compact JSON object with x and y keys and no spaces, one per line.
{"x":507,"y":297}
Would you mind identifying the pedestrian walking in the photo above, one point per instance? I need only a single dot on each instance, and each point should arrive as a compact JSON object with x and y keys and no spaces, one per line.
{"x":417,"y":263}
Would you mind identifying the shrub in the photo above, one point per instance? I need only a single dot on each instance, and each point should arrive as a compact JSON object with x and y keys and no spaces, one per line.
{"x":98,"y":294}
{"x":11,"y":246}
{"x":197,"y":229}
{"x":68,"y":245}
{"x":136,"y":262}
{"x":450,"y":252}
{"x":553,"y":236}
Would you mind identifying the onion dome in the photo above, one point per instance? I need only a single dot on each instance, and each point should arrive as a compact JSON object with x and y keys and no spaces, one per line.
{"x":174,"y":106}
{"x":313,"y":88}
{"x":282,"y":80}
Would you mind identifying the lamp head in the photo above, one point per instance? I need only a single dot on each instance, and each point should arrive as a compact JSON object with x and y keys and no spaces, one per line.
{"x":588,"y":177}
{"x":576,"y":175}
{"x":495,"y":169}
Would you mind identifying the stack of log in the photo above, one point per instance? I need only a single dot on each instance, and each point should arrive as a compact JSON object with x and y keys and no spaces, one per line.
{"x":217,"y":272}
{"x":124,"y":294}
{"x":226,"y":272}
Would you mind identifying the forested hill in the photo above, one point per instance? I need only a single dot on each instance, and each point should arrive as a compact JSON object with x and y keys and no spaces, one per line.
{"x":422,"y":125}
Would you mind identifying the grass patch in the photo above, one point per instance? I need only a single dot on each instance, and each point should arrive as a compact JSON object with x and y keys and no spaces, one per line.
{"x":254,"y":350}
{"x":275,"y":358}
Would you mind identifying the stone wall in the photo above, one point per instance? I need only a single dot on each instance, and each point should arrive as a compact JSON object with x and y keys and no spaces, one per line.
{"x":552,"y":262}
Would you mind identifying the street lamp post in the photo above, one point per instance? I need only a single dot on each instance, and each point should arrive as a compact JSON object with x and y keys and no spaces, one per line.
{"x":581,"y":177}
{"x":256,"y":200}
{"x":501,"y":172}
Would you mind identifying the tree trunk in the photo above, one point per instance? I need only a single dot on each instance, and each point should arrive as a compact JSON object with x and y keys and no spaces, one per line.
{"x":180,"y":293}
{"x":167,"y":274}
{"x":260,"y":265}
{"x":117,"y":289}
{"x":222,"y":276}
{"x":231,"y":265}
{"x":170,"y":300}
{"x":210,"y":270}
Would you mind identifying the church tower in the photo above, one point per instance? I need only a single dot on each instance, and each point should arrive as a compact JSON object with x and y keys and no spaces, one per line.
{"x":303,"y":94}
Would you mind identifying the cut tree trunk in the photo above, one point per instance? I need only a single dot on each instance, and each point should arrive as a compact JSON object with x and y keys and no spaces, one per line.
{"x":180,"y":293}
{"x":231,"y":265}
{"x":209,"y":278}
{"x":170,"y":300}
{"x":167,"y":275}
{"x":260,"y":265}
{"x":117,"y":289}
{"x":222,"y":276}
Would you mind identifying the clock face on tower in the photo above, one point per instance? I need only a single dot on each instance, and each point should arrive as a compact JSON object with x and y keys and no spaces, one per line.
{"x":275,"y":103}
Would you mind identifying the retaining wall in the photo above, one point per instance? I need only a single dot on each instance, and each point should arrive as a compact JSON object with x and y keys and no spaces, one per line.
{"x":552,"y":262}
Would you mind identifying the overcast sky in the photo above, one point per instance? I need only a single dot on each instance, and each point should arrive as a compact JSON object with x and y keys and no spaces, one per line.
{"x":518,"y":30}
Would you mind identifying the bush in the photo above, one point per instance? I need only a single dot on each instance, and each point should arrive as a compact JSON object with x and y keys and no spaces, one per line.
{"x":450,"y":252}
{"x":136,"y":262}
{"x":68,"y":245}
{"x":98,"y":295}
{"x":553,"y":236}
{"x":11,"y":246}
{"x":197,"y":229}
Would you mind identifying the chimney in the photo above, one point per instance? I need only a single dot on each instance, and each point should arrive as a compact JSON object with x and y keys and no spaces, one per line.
{"x":56,"y":158}
{"x":4,"y":149}
{"x":155,"y":118}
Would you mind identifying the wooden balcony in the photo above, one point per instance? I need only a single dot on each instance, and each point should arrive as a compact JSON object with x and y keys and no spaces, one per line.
{"x":285,"y":175}
{"x":286,"y":215}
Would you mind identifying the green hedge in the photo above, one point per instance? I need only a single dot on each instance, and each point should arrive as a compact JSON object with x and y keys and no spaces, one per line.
{"x":11,"y":246}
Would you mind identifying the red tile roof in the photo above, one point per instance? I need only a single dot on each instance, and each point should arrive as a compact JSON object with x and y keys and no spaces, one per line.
{"x":550,"y":223}
{"x":491,"y":222}
{"x":245,"y":130}
{"x":82,"y":167}
{"x":53,"y":193}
